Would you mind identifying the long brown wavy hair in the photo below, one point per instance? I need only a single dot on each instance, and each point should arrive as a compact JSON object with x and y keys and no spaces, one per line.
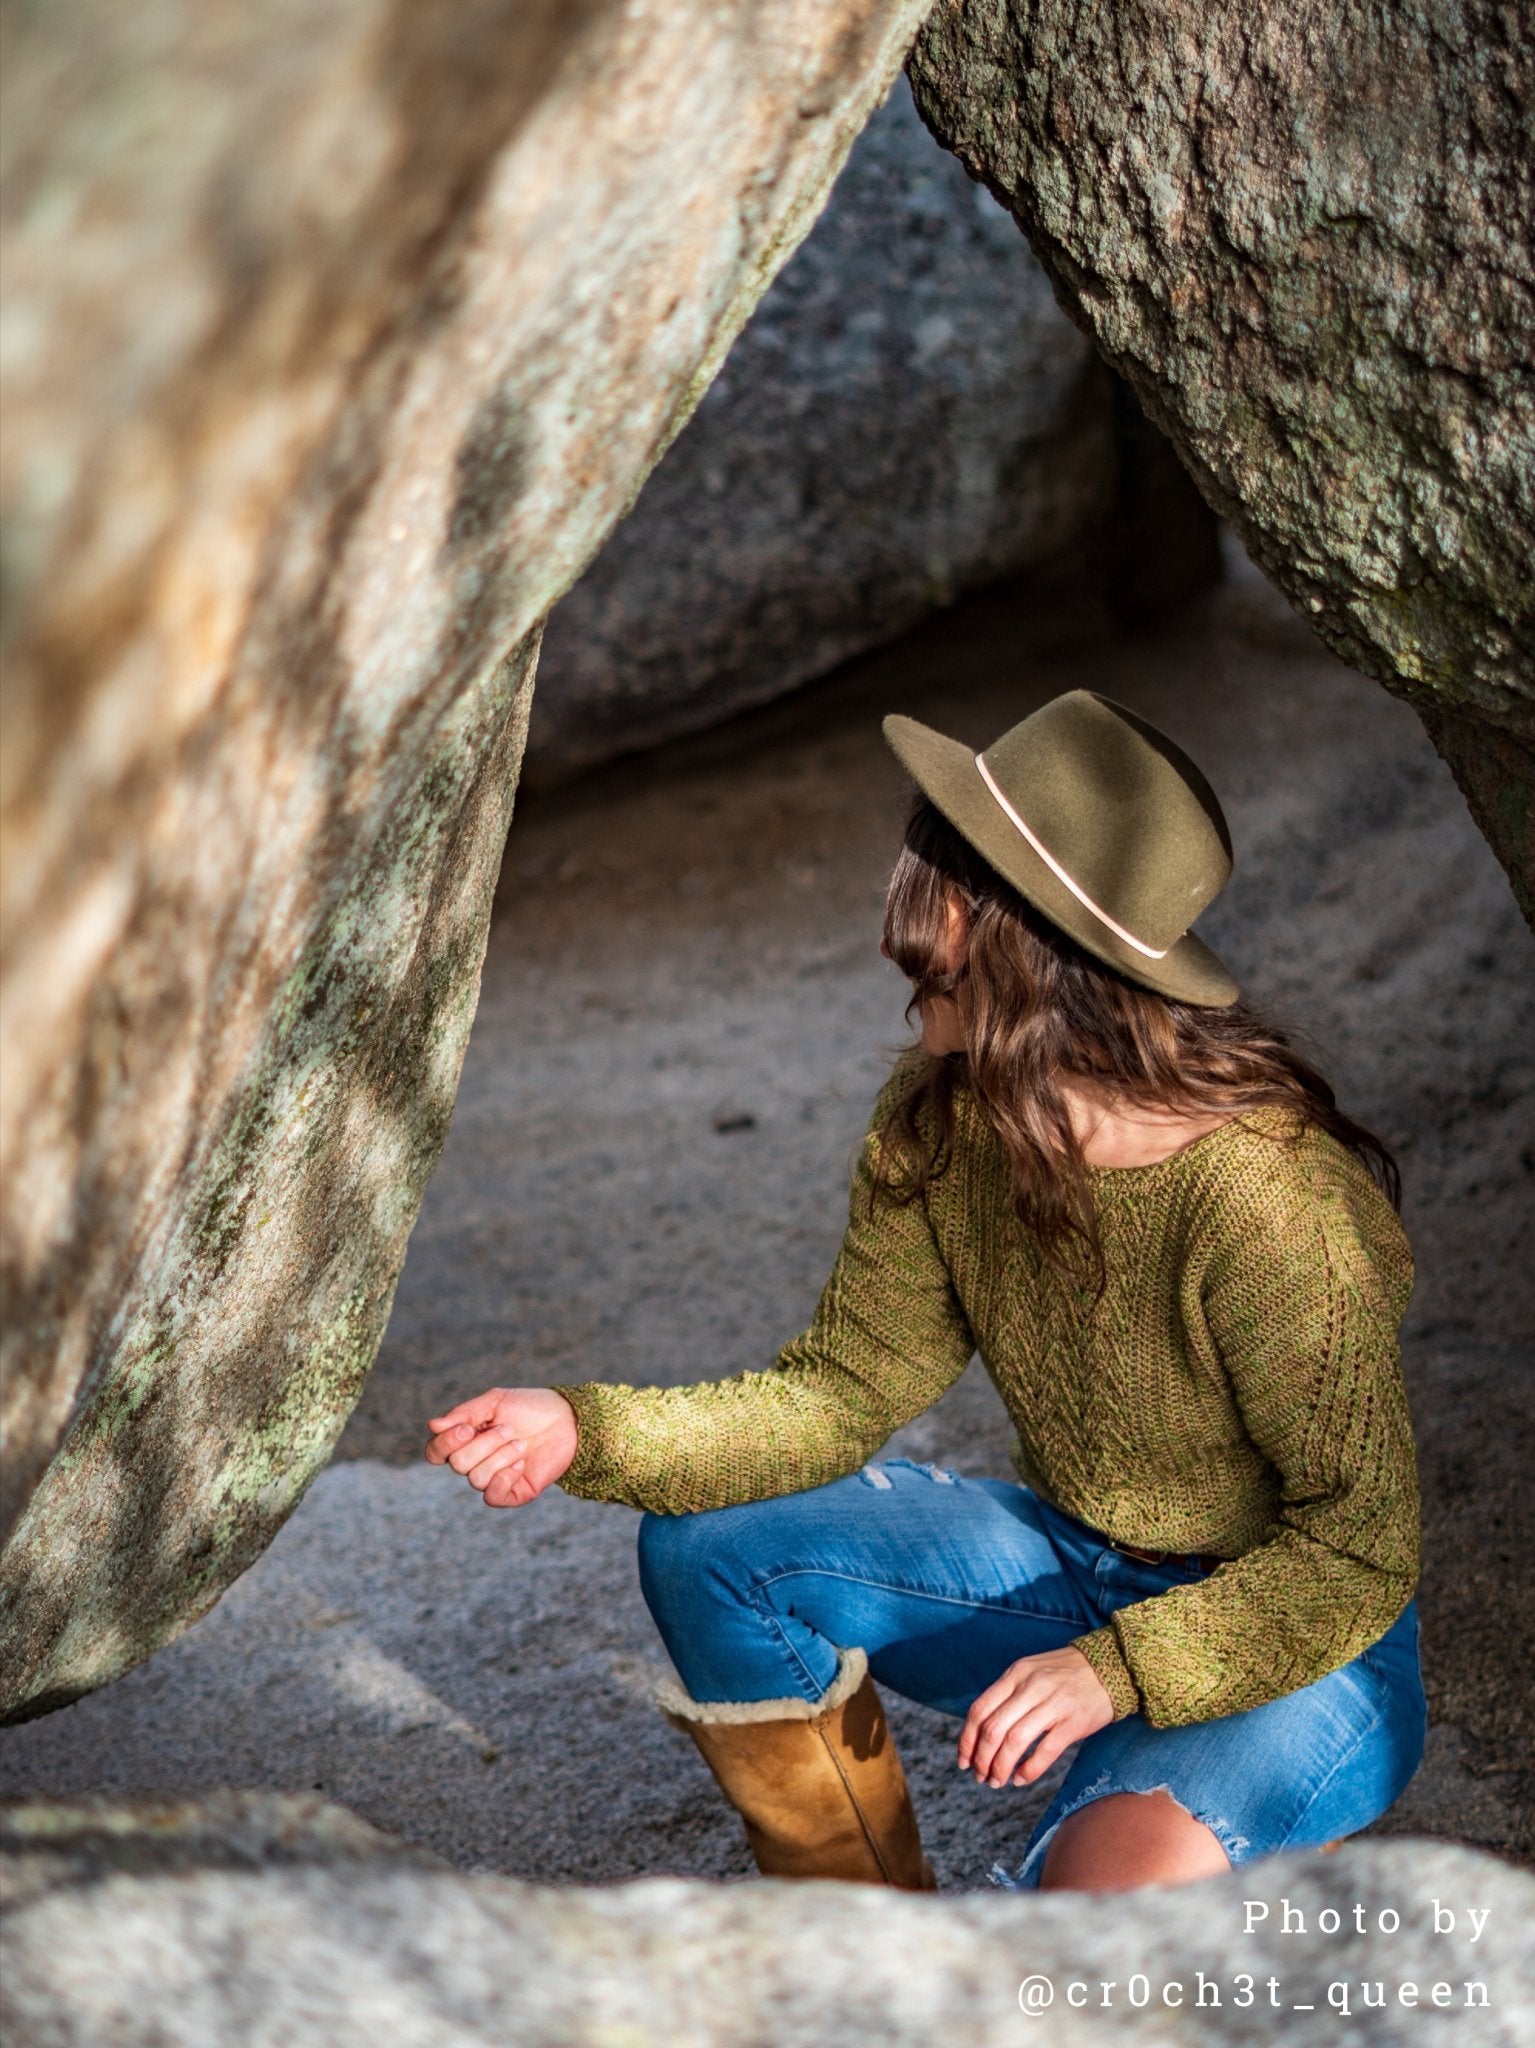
{"x":1035,"y":1008}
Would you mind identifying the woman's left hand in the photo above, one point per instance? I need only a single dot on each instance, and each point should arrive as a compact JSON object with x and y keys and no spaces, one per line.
{"x":1048,"y":1701}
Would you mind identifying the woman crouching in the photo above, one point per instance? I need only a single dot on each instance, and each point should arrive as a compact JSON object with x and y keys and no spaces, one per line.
{"x":1181,"y":1265}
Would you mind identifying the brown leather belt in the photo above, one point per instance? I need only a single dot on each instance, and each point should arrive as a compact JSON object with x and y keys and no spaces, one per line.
{"x":1205,"y":1559}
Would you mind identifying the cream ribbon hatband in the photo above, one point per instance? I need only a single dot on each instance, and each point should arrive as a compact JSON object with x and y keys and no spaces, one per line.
{"x":1060,"y":874}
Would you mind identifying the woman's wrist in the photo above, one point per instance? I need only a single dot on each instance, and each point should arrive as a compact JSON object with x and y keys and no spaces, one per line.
{"x":1101,"y":1649}
{"x":586,"y":1472}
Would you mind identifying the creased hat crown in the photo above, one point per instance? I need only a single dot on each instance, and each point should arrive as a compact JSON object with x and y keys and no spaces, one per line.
{"x":1124,"y":811}
{"x":1102,"y":822}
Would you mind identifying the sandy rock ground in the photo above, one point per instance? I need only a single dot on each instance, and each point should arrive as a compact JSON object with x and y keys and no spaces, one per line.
{"x":684,"y":1020}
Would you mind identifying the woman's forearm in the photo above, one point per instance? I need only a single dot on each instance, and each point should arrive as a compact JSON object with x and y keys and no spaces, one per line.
{"x":678,"y":1450}
{"x":1266,"y":1624}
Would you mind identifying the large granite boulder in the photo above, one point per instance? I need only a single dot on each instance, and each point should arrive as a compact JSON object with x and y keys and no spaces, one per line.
{"x":337,"y":340}
{"x":907,"y":413}
{"x":264,"y":1919}
{"x":1306,"y":234}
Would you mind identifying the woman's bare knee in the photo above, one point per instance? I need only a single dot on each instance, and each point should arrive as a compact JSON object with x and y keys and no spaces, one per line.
{"x":1127,"y":1839}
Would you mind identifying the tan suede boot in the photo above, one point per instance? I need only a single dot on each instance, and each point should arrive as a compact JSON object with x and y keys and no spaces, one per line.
{"x":819,"y":1786}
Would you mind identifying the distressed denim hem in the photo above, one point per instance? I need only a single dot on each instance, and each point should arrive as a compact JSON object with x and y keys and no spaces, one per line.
{"x":877,"y":1473}
{"x":1237,"y":1847}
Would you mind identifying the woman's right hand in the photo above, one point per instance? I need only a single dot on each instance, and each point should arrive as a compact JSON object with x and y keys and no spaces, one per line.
{"x":509,"y":1442}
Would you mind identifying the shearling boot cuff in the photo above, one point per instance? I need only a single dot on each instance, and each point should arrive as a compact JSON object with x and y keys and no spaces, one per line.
{"x":678,"y":1706}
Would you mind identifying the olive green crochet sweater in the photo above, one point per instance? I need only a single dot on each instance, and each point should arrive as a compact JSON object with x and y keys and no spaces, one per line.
{"x":1236,"y":1389}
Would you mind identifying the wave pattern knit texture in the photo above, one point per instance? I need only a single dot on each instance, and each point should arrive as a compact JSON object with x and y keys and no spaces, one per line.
{"x":1235,"y":1389}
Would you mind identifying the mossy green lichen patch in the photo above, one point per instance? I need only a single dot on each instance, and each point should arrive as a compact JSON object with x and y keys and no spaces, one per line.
{"x":226,"y":1391}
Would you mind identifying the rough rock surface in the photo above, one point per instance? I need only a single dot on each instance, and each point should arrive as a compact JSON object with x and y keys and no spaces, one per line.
{"x":907,"y":413}
{"x":683,"y":1022}
{"x":267,"y":1921}
{"x":337,"y":341}
{"x":1306,"y":234}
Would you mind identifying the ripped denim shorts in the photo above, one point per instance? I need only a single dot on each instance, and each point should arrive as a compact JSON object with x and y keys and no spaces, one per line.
{"x":945,"y":1581}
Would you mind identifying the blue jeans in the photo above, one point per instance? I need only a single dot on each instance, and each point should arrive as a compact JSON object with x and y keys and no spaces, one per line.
{"x":944,"y":1582}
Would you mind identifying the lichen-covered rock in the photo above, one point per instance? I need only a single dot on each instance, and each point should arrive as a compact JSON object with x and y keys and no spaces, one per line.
{"x":907,"y":413}
{"x":336,"y":342}
{"x":279,"y":1920}
{"x":1306,"y":233}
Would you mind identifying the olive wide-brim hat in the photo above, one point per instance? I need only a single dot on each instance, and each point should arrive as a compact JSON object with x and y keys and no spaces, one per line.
{"x":1101,"y":823}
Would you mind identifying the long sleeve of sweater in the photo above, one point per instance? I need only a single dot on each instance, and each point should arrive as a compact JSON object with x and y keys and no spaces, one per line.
{"x":888,"y":1337}
{"x":1305,"y":1315}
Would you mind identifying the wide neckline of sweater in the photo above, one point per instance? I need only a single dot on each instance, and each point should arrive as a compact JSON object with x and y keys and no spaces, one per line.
{"x":1253,"y":1120}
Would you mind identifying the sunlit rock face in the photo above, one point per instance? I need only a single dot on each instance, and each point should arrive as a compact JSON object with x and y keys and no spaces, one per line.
{"x":336,"y":342}
{"x":907,"y":413}
{"x":1306,"y":234}
{"x":289,"y":1920}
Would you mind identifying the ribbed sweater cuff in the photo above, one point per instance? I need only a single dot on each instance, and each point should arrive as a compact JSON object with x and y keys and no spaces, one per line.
{"x":590,"y":1473}
{"x":1102,"y":1651}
